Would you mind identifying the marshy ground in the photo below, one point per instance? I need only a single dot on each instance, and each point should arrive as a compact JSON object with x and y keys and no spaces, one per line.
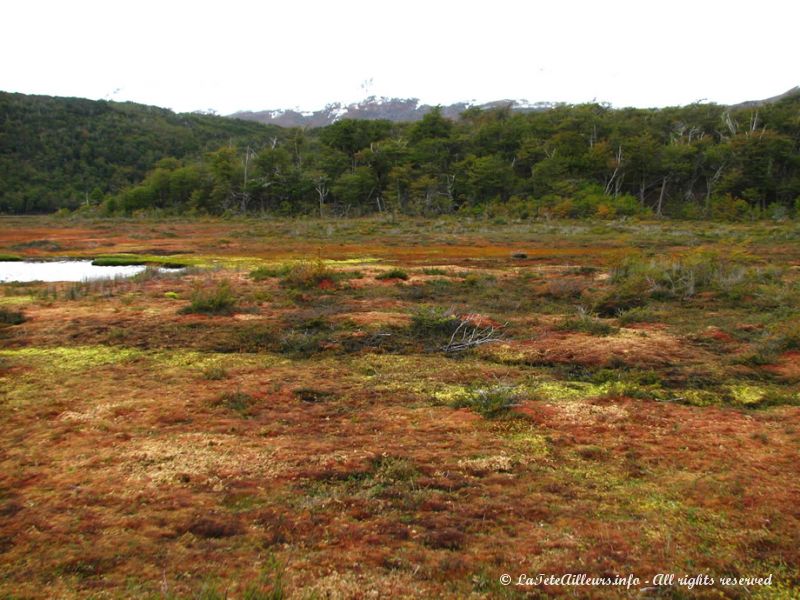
{"x":292,"y":415}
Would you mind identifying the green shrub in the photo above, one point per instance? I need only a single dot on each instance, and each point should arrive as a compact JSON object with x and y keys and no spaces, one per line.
{"x":586,"y":322}
{"x":433,"y":321}
{"x":237,"y":401}
{"x":312,"y":395}
{"x":685,"y":275}
{"x":309,"y":274}
{"x":267,"y":272}
{"x":218,"y":301}
{"x":434,"y":271}
{"x":490,"y":402}
{"x":393,"y":274}
{"x":639,"y":314}
{"x":215,"y":373}
{"x":11,"y":317}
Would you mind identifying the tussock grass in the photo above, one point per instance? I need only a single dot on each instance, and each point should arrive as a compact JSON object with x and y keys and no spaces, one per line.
{"x":586,"y":322}
{"x":270,"y":272}
{"x":220,"y":300}
{"x":11,"y":317}
{"x":307,"y":275}
{"x":393,"y":274}
{"x":490,"y":402}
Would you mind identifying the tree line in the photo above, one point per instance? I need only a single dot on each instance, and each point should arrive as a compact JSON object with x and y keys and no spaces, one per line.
{"x":589,"y":160}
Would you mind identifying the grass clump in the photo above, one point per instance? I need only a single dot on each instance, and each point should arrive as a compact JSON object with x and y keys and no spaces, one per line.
{"x":312,"y":395}
{"x":433,"y":327}
{"x":238,"y":401}
{"x":269,"y":272}
{"x":393,"y":274}
{"x":215,"y":373}
{"x":686,"y":275}
{"x":434,"y":271}
{"x":639,"y":314}
{"x":490,"y":402}
{"x":11,"y":317}
{"x":585,"y":322}
{"x":310,"y":274}
{"x":218,"y":301}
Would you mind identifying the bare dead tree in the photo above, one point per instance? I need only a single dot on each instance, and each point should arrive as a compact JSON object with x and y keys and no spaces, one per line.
{"x":618,"y":165}
{"x":321,"y":185}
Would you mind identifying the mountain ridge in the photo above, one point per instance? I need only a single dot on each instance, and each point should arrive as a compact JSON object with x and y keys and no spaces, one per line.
{"x":404,"y":110}
{"x":401,"y":110}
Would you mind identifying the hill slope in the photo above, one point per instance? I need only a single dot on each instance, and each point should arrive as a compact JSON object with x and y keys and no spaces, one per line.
{"x":59,"y":151}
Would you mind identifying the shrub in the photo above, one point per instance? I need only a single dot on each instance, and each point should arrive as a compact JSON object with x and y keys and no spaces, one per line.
{"x":218,"y":301}
{"x":729,"y":208}
{"x":237,"y":401}
{"x":11,"y":317}
{"x":309,"y":274}
{"x":585,"y":322}
{"x":268,"y":272}
{"x":312,"y":395}
{"x":433,"y":321}
{"x":640,"y":314}
{"x":490,"y":402}
{"x":393,"y":274}
{"x":215,"y":373}
{"x":683,"y":276}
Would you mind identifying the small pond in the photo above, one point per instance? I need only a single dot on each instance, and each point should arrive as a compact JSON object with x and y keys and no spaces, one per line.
{"x":63,"y":270}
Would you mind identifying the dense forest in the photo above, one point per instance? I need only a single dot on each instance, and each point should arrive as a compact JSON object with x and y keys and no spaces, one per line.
{"x":590,"y":160}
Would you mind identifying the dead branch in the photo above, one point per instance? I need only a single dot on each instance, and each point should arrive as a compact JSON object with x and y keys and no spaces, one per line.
{"x":466,"y":336}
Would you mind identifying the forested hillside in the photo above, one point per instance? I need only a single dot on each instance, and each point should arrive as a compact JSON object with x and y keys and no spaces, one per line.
{"x":698,"y":161}
{"x":59,"y":152}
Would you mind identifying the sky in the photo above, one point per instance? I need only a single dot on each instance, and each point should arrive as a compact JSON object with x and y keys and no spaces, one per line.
{"x":234,"y":55}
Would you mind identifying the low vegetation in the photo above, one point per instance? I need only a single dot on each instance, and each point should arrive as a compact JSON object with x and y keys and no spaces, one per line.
{"x":219,"y":300}
{"x":277,"y":421}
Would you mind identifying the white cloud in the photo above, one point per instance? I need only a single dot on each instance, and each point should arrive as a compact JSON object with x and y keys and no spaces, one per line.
{"x":256,"y":55}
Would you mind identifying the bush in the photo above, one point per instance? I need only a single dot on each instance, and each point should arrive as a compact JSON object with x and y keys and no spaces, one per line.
{"x":434,"y":271}
{"x":219,"y":301}
{"x":393,"y":274}
{"x":684,"y":276}
{"x":215,"y":373}
{"x":640,"y":314}
{"x":262,"y":273}
{"x":728,"y":208}
{"x":586,"y":322}
{"x":433,"y":321}
{"x":11,"y":317}
{"x":309,"y":274}
{"x":237,"y":401}
{"x":490,"y":402}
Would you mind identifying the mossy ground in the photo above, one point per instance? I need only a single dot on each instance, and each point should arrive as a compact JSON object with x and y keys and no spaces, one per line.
{"x":310,"y":444}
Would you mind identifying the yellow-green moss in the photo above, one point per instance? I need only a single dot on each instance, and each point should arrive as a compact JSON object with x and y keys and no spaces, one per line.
{"x":16,"y":300}
{"x":747,"y":395}
{"x":70,"y":358}
{"x":530,"y":444}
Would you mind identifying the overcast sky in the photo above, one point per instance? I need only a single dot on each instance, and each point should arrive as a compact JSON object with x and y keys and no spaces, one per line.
{"x":235,"y":55}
